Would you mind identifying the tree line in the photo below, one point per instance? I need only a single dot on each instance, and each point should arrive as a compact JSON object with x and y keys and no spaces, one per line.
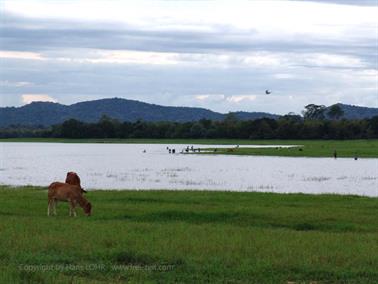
{"x":286,"y":127}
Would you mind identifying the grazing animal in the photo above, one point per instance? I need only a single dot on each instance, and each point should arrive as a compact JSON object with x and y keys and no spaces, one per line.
{"x":73,"y":178}
{"x":59,"y":191}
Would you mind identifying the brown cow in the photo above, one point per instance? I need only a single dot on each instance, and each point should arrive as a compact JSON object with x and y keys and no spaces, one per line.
{"x":59,"y":191}
{"x":73,"y":178}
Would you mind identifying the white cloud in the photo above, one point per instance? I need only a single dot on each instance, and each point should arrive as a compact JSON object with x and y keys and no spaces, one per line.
{"x":210,"y":97}
{"x":29,"y":98}
{"x":319,"y":59}
{"x":202,"y":97}
{"x":134,"y":57}
{"x":238,"y":99}
{"x":21,"y":55}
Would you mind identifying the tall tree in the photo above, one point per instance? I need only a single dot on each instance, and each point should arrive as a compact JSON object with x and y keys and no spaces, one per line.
{"x":313,"y":111}
{"x":335,"y":112}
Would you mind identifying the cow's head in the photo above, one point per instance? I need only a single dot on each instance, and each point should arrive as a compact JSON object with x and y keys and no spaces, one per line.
{"x":88,"y":209}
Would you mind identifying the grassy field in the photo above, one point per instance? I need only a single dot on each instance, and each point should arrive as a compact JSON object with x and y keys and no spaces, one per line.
{"x":189,"y":237}
{"x":308,"y":148}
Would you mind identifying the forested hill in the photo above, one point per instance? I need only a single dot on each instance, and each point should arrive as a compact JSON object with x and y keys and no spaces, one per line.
{"x":47,"y":113}
{"x":355,"y":112}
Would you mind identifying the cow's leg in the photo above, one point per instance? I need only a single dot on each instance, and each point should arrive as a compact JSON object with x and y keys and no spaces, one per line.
{"x":72,"y":208}
{"x":48,"y":207}
{"x":55,"y":202}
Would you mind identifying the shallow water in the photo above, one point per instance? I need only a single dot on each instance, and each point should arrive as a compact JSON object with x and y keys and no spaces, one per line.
{"x":126,"y":166}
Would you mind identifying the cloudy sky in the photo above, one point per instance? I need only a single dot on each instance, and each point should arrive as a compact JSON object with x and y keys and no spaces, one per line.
{"x":220,"y":55}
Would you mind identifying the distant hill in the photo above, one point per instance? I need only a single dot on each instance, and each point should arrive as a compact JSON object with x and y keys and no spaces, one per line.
{"x":254,"y":115}
{"x":355,"y":112}
{"x":47,"y":113}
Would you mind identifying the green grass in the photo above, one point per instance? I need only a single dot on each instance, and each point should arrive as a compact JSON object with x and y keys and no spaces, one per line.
{"x":310,"y":148}
{"x":189,"y":237}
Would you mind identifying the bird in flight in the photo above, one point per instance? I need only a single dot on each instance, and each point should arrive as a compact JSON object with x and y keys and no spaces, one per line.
{"x":267,"y":92}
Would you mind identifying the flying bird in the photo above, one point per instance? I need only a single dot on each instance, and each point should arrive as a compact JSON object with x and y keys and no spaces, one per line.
{"x":267,"y":92}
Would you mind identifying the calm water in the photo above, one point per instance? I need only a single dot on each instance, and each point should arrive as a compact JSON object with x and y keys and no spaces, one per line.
{"x":125,"y":166}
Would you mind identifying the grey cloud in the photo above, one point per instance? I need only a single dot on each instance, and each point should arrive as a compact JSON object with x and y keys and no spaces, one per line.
{"x":178,"y":85}
{"x":25,"y":34}
{"x":19,"y":33}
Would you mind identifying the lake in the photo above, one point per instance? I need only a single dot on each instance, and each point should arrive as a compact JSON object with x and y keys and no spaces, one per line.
{"x":127,"y":166}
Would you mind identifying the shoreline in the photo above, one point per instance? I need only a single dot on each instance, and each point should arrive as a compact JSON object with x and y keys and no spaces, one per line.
{"x":187,"y":191}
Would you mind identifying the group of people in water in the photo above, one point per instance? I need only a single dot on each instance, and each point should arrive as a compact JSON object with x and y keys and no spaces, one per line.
{"x":187,"y":149}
